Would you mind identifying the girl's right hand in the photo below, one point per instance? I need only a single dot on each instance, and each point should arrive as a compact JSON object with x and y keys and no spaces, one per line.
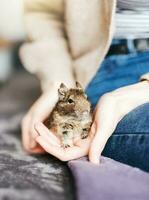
{"x":37,"y":113}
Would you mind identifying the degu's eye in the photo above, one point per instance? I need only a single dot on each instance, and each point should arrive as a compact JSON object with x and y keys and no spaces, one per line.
{"x":70,"y":100}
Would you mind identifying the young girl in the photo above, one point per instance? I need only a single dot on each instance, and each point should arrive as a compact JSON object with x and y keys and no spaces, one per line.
{"x":105,"y":46}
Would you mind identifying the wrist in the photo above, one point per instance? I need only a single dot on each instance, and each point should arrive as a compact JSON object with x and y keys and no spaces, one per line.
{"x":141,"y":92}
{"x":137,"y":93}
{"x":54,"y":85}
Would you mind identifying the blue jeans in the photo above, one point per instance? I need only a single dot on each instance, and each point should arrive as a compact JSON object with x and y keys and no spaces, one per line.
{"x":130,"y":141}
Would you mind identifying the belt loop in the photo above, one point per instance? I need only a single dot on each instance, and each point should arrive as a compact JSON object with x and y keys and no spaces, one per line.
{"x":131,"y":46}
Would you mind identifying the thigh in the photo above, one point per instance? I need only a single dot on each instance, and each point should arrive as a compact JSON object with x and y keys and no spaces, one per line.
{"x":130,"y":141}
{"x":115,"y":72}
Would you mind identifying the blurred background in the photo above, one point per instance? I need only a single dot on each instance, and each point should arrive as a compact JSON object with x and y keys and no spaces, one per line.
{"x":12,"y":34}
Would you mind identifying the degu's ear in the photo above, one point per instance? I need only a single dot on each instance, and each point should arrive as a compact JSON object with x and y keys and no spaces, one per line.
{"x":78,"y":85}
{"x":62,"y":91}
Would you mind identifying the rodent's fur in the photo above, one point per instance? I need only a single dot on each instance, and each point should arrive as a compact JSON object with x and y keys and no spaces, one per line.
{"x":71,"y":117}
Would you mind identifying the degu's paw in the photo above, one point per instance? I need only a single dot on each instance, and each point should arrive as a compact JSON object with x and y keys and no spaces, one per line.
{"x":85,"y":133}
{"x":84,"y":136}
{"x":64,"y":146}
{"x":65,"y":143}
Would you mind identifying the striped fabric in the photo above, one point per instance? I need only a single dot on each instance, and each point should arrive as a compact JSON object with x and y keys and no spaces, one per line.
{"x":132,"y":19}
{"x":134,"y":4}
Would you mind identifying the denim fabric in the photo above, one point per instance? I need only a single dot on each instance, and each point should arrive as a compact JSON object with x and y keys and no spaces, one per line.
{"x":117,"y":71}
{"x":130,"y":141}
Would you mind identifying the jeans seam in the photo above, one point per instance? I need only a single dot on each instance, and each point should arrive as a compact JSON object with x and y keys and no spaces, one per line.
{"x":132,"y":134}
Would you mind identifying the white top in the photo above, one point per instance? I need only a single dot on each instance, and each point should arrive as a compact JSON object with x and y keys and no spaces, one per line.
{"x":132,"y":19}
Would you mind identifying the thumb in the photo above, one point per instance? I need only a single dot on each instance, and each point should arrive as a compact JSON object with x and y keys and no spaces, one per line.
{"x":99,"y":141}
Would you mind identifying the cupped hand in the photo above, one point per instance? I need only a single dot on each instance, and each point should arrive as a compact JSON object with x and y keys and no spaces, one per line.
{"x":37,"y":113}
{"x":52,"y":145}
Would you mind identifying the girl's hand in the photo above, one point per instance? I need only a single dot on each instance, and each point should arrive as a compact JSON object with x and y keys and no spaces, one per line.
{"x":111,"y":108}
{"x":51,"y":144}
{"x":38,"y":113}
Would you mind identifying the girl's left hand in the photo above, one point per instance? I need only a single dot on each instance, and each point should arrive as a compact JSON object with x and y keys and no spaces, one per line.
{"x":111,"y":108}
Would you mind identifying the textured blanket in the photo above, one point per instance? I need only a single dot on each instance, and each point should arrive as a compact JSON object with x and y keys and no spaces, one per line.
{"x":29,"y":177}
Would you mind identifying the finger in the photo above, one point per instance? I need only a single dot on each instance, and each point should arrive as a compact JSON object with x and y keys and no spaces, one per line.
{"x":92,"y":130}
{"x":28,"y":141}
{"x":35,"y":119}
{"x":62,"y":154}
{"x":46,"y":133}
{"x":97,"y":147}
{"x":50,"y":148}
{"x":26,"y":137}
{"x":33,"y":133}
{"x":103,"y":131}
